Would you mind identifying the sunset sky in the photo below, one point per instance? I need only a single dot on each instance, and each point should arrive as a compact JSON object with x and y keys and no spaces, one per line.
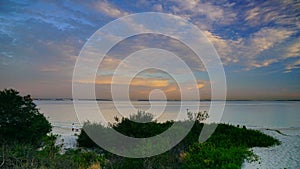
{"x":257,"y":41}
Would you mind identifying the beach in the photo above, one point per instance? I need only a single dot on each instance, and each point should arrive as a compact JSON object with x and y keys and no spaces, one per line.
{"x":282,"y":156}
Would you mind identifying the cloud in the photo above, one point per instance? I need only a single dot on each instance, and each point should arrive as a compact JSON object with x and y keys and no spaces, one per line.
{"x":50,"y":69}
{"x":223,"y":47}
{"x":109,"y":9}
{"x":195,"y":8}
{"x":255,"y":51}
{"x":261,"y":15}
{"x":109,"y":64}
{"x":291,"y":66}
{"x":171,"y":88}
{"x":137,"y":81}
{"x":63,"y":19}
{"x":263,"y":63}
{"x":267,"y":37}
{"x":200,"y":85}
{"x":252,"y":14}
{"x":149,"y":82}
{"x":208,"y":13}
{"x":157,"y":7}
{"x":262,"y":41}
{"x":293,"y":50}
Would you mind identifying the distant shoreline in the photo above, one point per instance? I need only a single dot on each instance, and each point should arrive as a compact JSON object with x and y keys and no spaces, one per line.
{"x":145,"y":100}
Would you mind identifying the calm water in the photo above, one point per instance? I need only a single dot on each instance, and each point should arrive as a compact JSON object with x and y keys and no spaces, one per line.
{"x":269,"y":114}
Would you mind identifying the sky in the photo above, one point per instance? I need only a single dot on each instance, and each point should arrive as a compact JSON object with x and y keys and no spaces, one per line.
{"x":258,"y":43}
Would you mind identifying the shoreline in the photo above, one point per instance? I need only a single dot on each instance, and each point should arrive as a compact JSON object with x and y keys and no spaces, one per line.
{"x":66,"y":138}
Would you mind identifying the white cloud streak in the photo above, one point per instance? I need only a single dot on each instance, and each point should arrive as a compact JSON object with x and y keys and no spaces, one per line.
{"x":109,"y":9}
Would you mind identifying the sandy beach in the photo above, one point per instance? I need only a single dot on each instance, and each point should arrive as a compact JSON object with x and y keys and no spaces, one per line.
{"x":285,"y":155}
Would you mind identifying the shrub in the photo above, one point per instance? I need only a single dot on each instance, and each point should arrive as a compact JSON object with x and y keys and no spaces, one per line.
{"x":207,"y":155}
{"x":228,"y":146}
{"x":20,"y":120}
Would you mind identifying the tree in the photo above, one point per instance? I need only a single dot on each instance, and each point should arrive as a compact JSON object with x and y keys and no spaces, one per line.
{"x":20,"y":120}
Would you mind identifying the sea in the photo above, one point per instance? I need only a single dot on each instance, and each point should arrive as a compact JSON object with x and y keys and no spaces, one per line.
{"x":256,"y":114}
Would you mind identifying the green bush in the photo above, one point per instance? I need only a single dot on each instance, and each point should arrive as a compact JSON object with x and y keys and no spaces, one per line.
{"x":207,"y":155}
{"x":20,"y":120}
{"x":228,"y":146}
{"x":20,"y":156}
{"x":24,"y":139}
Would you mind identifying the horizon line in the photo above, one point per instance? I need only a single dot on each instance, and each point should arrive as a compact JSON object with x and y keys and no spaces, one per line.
{"x":62,"y":99}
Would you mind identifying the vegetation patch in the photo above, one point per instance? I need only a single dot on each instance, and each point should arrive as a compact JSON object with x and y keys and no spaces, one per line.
{"x":228,"y":146}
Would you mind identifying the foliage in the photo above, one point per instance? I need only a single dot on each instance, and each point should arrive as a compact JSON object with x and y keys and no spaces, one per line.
{"x":208,"y":155}
{"x":228,"y":146}
{"x":230,"y":136}
{"x":20,"y":120}
{"x":141,"y":116}
{"x":25,"y":143}
{"x":199,"y":117}
{"x":20,"y":156}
